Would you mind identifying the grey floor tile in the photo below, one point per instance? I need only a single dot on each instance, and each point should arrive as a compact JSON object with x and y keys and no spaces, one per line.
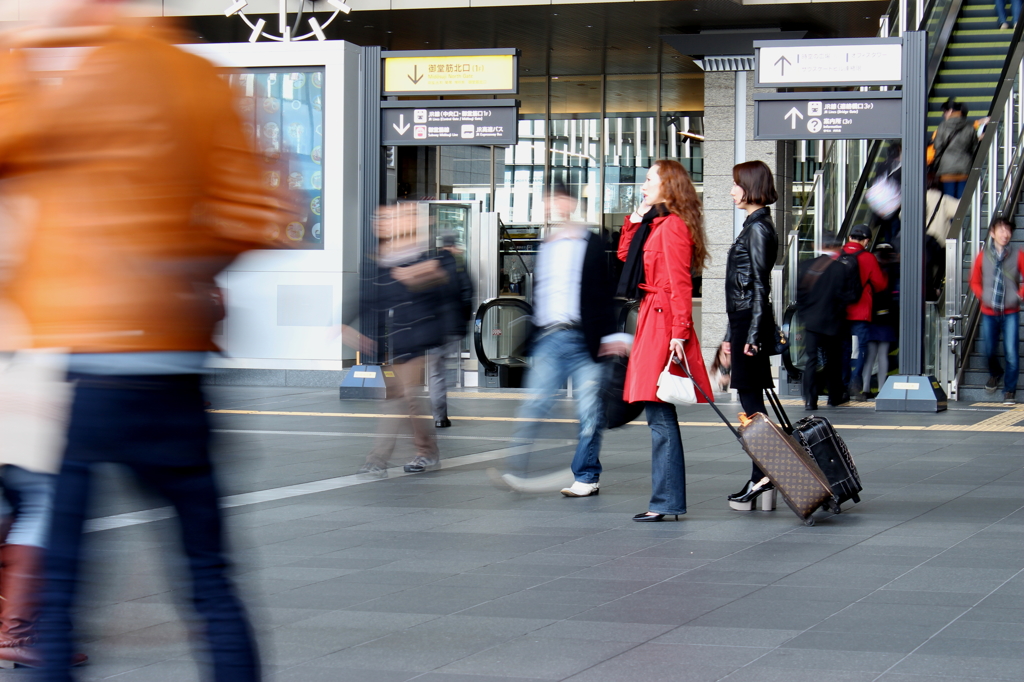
{"x":533,"y":657}
{"x":962,"y":666}
{"x":827,"y":659}
{"x":724,"y":636}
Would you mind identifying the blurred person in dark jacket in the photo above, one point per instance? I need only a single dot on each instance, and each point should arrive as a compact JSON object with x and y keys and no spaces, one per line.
{"x":143,"y":192}
{"x":404,"y":298}
{"x":821,"y":304}
{"x":456,"y":311}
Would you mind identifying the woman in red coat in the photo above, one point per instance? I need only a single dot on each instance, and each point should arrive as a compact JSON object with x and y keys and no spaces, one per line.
{"x":661,"y":243}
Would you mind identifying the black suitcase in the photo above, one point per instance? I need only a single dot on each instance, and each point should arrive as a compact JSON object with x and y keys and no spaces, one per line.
{"x":820,"y":439}
{"x":830,"y":452}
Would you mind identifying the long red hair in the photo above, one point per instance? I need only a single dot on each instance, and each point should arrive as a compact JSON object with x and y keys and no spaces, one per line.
{"x":680,"y":198}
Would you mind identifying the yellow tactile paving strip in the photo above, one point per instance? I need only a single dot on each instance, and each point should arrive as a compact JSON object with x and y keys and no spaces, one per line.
{"x":1011,"y":421}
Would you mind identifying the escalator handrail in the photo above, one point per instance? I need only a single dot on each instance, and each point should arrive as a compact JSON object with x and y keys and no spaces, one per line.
{"x":942,"y":42}
{"x":478,"y":324}
{"x":628,"y":306}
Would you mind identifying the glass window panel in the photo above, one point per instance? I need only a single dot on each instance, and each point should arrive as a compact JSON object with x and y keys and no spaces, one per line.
{"x":532,"y":95}
{"x":631,"y":94}
{"x":575,"y":95}
{"x":282,"y":115}
{"x":682,"y":92}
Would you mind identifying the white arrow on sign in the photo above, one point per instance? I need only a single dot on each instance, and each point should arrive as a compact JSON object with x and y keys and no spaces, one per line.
{"x":791,"y":115}
{"x":402,"y":127}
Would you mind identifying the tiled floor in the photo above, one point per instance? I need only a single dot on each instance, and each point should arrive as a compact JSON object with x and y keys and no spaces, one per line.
{"x":441,"y":577}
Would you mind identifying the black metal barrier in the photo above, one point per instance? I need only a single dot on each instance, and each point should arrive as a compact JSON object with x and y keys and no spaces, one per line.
{"x":501,"y":332}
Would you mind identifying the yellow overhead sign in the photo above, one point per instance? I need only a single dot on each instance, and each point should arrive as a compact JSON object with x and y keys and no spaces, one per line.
{"x":443,"y":73}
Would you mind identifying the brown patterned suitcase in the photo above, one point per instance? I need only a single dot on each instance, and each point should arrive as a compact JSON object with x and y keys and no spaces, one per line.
{"x":787,"y":464}
{"x":783,"y":460}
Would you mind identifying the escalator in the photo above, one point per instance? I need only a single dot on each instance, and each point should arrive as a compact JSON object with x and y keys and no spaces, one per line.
{"x":501,"y":335}
{"x":973,"y":59}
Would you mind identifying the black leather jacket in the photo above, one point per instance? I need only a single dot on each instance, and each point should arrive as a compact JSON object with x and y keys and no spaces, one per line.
{"x":748,"y":271}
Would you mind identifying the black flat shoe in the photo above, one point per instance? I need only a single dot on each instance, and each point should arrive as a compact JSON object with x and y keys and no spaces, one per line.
{"x":752,"y":490}
{"x":644,"y":517}
{"x":810,"y":407}
{"x":442,"y":423}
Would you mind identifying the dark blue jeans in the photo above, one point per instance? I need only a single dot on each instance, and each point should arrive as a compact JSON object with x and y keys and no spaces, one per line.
{"x":668,"y":470}
{"x":851,"y":376}
{"x":157,"y":427}
{"x":1009,"y":326}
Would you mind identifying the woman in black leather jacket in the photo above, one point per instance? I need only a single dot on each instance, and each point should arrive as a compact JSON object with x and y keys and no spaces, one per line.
{"x":747,"y":301}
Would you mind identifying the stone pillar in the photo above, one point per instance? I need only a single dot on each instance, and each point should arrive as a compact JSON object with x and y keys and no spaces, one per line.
{"x":719,"y":158}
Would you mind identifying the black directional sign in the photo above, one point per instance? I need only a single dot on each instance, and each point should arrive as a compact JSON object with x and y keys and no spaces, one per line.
{"x":435,"y":122}
{"x":827,"y":116}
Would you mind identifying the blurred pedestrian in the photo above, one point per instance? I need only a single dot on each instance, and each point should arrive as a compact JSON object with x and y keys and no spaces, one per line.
{"x":144,"y":192}
{"x":997,"y":279}
{"x":869,"y":278}
{"x":820,"y":300}
{"x":457,"y":310}
{"x":748,"y":287}
{"x":574,"y":327}
{"x":662,"y":244}
{"x":405,"y":299}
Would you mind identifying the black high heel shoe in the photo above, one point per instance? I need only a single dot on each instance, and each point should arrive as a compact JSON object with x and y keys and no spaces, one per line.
{"x":751,"y":492}
{"x":644,"y":517}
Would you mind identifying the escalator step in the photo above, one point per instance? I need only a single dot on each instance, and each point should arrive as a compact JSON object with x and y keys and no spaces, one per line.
{"x":974,"y":61}
{"x":979,"y":35}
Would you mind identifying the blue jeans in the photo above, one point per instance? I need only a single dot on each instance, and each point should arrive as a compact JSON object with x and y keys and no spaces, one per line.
{"x":157,"y":427}
{"x":861,"y":330}
{"x":955,"y":188}
{"x":28,"y":498}
{"x":1009,"y":325}
{"x":1001,"y":11}
{"x":556,"y":357}
{"x":668,"y":470}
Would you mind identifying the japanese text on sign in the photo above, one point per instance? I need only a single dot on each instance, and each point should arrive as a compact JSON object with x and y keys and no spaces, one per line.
{"x":455,"y":74}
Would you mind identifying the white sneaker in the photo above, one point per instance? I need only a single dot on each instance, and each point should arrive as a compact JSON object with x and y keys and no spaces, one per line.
{"x":548,"y":483}
{"x":581,"y":489}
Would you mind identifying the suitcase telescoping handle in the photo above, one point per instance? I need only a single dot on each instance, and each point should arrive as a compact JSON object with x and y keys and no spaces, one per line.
{"x":784,"y":421}
{"x":711,"y":402}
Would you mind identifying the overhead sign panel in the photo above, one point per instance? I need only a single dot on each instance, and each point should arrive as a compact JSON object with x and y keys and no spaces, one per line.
{"x":451,"y":72}
{"x":472,"y":122}
{"x":827,"y":116}
{"x":805,"y":63}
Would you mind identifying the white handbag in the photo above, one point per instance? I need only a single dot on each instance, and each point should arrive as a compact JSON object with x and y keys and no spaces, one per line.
{"x":35,"y":401}
{"x":675,"y":389}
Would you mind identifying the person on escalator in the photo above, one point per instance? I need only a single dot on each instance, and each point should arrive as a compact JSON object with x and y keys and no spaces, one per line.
{"x":997,"y":279}
{"x":1004,"y":22}
{"x":955,"y":142}
{"x":574,"y":326}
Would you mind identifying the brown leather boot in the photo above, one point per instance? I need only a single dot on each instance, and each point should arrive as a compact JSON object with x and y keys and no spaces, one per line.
{"x":20,"y":580}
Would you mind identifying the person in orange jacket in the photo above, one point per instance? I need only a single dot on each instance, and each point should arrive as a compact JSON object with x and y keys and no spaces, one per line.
{"x":997,"y":279}
{"x":858,"y":314}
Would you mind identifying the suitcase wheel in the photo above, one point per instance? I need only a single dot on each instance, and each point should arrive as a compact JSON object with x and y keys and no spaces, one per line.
{"x":809,"y":521}
{"x":832,"y":506}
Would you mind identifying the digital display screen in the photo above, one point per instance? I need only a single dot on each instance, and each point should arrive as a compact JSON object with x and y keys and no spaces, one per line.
{"x":282,"y":112}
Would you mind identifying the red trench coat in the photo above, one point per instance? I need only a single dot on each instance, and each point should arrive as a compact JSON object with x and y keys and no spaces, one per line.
{"x":666,"y":311}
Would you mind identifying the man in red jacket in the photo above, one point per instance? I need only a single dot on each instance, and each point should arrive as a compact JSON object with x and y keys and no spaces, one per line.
{"x":997,"y":279}
{"x":858,"y":314}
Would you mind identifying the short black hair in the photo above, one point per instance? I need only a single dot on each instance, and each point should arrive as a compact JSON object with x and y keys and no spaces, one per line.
{"x":756,"y":180}
{"x":950,"y":103}
{"x":996,"y":222}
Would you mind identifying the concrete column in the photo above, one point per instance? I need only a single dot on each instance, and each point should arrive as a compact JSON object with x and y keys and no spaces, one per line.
{"x":719,"y":213}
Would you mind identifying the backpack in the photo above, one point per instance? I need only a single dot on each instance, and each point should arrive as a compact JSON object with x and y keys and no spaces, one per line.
{"x":851,"y":290}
